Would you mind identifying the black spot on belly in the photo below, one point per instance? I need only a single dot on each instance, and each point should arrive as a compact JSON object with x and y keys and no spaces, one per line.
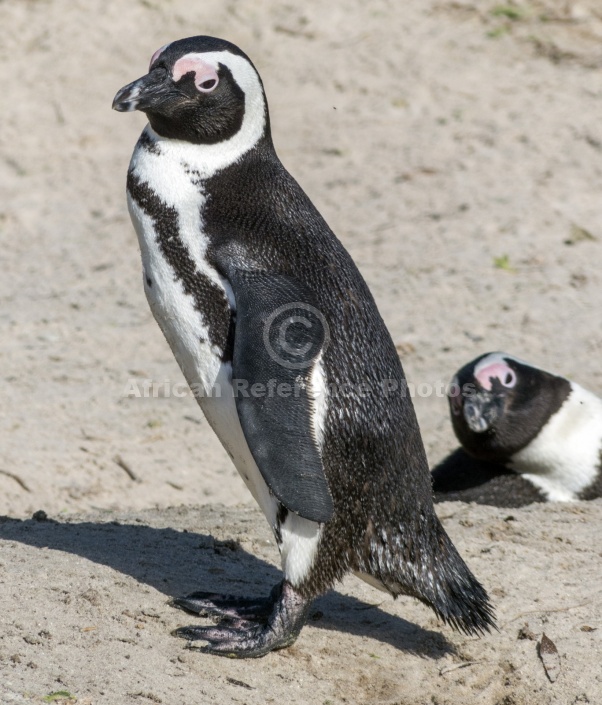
{"x":149,"y":282}
{"x":148,"y":144}
{"x":209,"y":299}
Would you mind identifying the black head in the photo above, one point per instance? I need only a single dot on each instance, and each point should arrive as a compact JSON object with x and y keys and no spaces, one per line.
{"x":498,"y":404}
{"x":201,"y":90}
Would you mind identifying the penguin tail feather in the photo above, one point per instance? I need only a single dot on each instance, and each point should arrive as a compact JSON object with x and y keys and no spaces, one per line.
{"x":436,"y":575}
{"x":450,"y":588}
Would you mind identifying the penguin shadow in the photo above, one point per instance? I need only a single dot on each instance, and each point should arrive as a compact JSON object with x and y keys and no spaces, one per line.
{"x":178,"y":562}
{"x":462,"y":478}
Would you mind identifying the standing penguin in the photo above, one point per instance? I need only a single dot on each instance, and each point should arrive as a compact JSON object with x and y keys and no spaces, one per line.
{"x":540,"y":435}
{"x":277,"y":332}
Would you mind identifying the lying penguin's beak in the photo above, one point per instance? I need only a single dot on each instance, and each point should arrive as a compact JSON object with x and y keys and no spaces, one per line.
{"x":481,"y":411}
{"x":142,"y":94}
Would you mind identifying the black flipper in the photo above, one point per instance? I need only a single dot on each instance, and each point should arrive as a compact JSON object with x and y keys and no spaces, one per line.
{"x":279,"y":334}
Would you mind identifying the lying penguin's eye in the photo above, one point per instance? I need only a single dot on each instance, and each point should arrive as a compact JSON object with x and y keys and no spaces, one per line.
{"x":456,"y":405}
{"x":208,"y":86}
{"x":509,"y":379}
{"x":455,"y":399}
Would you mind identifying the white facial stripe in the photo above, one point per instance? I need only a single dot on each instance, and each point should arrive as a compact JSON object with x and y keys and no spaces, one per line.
{"x":157,"y":54}
{"x":496,"y":358}
{"x":207,"y":159}
{"x":499,"y":358}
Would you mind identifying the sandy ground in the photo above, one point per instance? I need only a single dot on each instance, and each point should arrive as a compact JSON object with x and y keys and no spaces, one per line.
{"x":456,"y":150}
{"x":87,"y":599}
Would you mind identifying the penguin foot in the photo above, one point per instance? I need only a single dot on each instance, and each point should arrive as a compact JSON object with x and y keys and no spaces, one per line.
{"x":238,"y":634}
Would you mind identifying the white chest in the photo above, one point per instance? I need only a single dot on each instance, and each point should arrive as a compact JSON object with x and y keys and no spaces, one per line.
{"x":167,"y":213}
{"x":166,"y":208}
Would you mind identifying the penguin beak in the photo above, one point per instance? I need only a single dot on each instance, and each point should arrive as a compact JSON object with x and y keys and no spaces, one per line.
{"x":142,"y":94}
{"x":481,"y":410}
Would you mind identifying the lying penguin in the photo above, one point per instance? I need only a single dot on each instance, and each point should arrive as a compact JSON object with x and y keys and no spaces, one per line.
{"x":268,"y":317}
{"x":531,"y":436}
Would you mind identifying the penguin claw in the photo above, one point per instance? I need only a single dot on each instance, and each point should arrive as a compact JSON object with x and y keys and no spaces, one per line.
{"x":226,"y":607}
{"x":238,"y":635}
{"x":252,"y":642}
{"x":217,"y":634}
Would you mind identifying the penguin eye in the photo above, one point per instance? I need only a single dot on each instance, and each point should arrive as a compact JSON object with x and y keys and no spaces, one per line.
{"x":456,"y":405}
{"x":455,"y":398}
{"x":207,"y":86}
{"x":509,"y":379}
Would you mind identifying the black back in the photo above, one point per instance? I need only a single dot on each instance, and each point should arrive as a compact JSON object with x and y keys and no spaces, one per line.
{"x":373,"y":455}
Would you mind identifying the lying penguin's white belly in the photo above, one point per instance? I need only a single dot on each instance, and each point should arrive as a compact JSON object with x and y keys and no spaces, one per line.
{"x":563,"y":459}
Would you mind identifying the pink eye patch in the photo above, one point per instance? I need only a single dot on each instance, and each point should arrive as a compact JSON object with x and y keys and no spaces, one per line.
{"x":496,"y":370}
{"x":205,"y":75}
